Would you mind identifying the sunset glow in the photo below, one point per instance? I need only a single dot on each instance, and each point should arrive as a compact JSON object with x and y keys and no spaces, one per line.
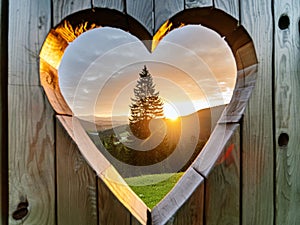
{"x":170,"y":112}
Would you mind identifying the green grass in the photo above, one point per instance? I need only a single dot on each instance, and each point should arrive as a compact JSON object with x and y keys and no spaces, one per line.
{"x":152,"y":194}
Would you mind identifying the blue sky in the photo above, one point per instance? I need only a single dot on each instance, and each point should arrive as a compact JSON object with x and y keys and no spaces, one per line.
{"x":192,"y":68}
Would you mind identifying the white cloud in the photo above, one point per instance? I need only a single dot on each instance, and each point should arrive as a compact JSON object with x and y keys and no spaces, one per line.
{"x":100,"y":68}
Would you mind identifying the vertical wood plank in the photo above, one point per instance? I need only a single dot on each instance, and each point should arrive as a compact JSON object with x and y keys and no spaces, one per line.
{"x":63,"y":8}
{"x":29,"y":23}
{"x":164,"y":10}
{"x":31,"y":157}
{"x":222,"y":192}
{"x":257,"y":153}
{"x":198,"y":3}
{"x":134,"y":221}
{"x":231,"y":7}
{"x":76,"y":183}
{"x":110,"y":4}
{"x":287,"y":95}
{"x":142,"y":11}
{"x":111,"y":211}
{"x":192,"y":211}
{"x":183,"y":204}
{"x":3,"y":113}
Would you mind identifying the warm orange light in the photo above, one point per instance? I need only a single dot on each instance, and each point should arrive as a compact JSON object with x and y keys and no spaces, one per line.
{"x":70,"y":33}
{"x":170,"y":112}
{"x":58,"y":40}
{"x":163,"y":30}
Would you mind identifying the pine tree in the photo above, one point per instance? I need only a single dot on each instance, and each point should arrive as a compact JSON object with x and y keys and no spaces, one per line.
{"x":146,"y":105}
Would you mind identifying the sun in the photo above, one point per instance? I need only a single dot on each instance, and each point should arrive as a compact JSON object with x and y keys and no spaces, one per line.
{"x":170,"y":112}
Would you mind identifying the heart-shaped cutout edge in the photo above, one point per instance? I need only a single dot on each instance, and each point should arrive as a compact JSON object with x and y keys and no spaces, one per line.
{"x":243,"y":50}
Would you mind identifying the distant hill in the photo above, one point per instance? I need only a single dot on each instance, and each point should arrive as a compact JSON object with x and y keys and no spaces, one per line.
{"x":207,"y":117}
{"x":118,"y":139}
{"x":94,"y":123}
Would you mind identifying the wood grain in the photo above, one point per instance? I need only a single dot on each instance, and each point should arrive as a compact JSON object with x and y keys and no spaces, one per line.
{"x":109,"y":176}
{"x":111,"y":210}
{"x":124,"y":194}
{"x":87,"y":148}
{"x":110,"y":4}
{"x":50,"y":57}
{"x":31,"y":156}
{"x":29,"y":23}
{"x":75,"y":182}
{"x":192,"y":211}
{"x":210,"y":153}
{"x":63,"y":8}
{"x":3,"y":113}
{"x":134,"y":221}
{"x":246,"y":79}
{"x":198,"y":3}
{"x":222,"y":192}
{"x":257,"y":154}
{"x":164,"y":10}
{"x":49,"y":81}
{"x":231,"y":7}
{"x":142,"y":11}
{"x":186,"y":187}
{"x":287,"y":95}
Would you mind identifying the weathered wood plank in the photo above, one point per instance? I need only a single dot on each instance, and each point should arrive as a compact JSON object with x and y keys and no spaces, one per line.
{"x":110,"y":4}
{"x":245,"y":83}
{"x":257,"y":154}
{"x":49,"y":81}
{"x":3,"y":112}
{"x":63,"y":8}
{"x":187,"y":187}
{"x":198,"y":3}
{"x":124,"y":194}
{"x":76,"y":183}
{"x":31,"y":157}
{"x":231,"y":7}
{"x":111,"y":210}
{"x":222,"y":192}
{"x":287,"y":95}
{"x":213,"y":148}
{"x":164,"y":10}
{"x":142,"y":11}
{"x":109,"y":176}
{"x":29,"y":23}
{"x":87,"y":148}
{"x":134,"y":221}
{"x":192,"y":211}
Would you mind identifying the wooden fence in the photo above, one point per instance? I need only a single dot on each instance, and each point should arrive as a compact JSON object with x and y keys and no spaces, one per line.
{"x":46,"y":176}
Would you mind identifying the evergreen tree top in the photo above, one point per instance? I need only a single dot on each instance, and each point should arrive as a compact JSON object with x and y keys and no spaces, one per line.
{"x":145,"y":72}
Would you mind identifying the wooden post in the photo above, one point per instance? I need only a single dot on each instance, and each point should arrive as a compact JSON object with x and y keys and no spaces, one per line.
{"x":231,"y":7}
{"x":198,"y":3}
{"x":142,"y":11}
{"x":31,"y":127}
{"x":164,"y":10}
{"x":257,"y":146}
{"x":3,"y":113}
{"x":76,"y":183}
{"x":222,"y":191}
{"x":110,"y":4}
{"x":61,"y":9}
{"x":287,"y":110}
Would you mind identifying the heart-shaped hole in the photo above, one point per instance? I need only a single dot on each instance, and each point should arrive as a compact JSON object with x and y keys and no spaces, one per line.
{"x":150,"y":114}
{"x":103,"y":69}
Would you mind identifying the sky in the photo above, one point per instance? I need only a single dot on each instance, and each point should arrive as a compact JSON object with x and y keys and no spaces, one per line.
{"x":192,"y":67}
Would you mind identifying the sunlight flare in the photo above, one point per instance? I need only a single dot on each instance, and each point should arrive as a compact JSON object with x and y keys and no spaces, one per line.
{"x":170,"y":111}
